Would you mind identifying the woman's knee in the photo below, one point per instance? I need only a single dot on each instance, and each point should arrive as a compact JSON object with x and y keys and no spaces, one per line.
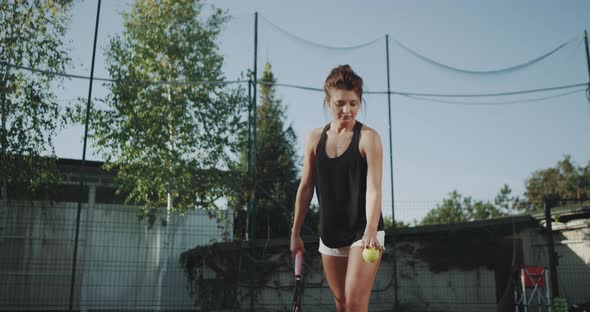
{"x":356,"y":303}
{"x":340,"y":304}
{"x":356,"y":306}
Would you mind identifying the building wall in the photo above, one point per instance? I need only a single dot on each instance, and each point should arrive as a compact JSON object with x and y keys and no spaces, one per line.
{"x":454,"y":289}
{"x":439,"y":272}
{"x":574,"y":262}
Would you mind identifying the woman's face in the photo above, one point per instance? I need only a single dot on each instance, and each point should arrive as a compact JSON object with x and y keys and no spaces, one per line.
{"x":344,"y":104}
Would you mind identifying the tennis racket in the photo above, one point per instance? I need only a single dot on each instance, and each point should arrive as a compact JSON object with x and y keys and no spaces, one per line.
{"x":296,"y":307}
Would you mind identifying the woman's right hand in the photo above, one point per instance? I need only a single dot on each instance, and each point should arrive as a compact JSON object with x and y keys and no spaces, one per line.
{"x":296,"y":244}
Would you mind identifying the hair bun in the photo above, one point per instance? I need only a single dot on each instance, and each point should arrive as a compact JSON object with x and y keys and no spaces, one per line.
{"x":343,"y":77}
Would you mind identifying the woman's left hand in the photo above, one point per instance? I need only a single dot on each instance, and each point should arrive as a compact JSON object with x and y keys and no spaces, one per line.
{"x":370,"y":239}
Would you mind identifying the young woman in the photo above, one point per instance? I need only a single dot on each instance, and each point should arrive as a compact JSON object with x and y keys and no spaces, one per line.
{"x":343,"y":160}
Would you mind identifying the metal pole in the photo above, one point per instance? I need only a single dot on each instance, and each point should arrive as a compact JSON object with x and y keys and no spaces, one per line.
{"x":252,"y":212}
{"x":588,"y":64}
{"x":393,"y":253}
{"x":551,"y":247}
{"x":587,"y":55}
{"x":249,"y":175}
{"x":525,"y":300}
{"x":82,"y":165}
{"x":547,"y":291}
{"x":254,"y":108}
{"x":4,"y":117}
{"x":516,"y":303}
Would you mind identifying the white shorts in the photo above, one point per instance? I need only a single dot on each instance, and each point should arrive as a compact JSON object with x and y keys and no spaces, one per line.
{"x":343,"y":251}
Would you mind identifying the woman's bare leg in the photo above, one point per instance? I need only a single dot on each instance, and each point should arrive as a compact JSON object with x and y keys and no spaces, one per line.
{"x":335,"y":270}
{"x":360,"y":276}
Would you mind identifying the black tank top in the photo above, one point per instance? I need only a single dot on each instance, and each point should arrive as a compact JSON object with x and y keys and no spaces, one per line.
{"x":341,"y":188}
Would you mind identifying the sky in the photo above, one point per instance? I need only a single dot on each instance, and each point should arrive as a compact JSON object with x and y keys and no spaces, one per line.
{"x":437,"y":146}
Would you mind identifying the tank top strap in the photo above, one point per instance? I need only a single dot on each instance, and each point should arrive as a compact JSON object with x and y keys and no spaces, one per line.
{"x":321,"y":149}
{"x":356,"y":133}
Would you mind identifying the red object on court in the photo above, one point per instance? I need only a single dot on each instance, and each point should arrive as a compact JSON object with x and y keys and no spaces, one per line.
{"x":535,"y":276}
{"x":531,"y":288}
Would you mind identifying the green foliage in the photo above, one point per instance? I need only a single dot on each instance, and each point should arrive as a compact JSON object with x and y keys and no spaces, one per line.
{"x":226,"y":276}
{"x":451,"y":210}
{"x":31,"y":35}
{"x":559,"y":304}
{"x":565,"y":183}
{"x":170,"y":143}
{"x":457,"y":208}
{"x":388,"y":223}
{"x":276,"y":169}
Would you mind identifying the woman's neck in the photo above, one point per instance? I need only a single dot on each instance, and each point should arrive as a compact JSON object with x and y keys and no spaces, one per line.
{"x":341,"y":127}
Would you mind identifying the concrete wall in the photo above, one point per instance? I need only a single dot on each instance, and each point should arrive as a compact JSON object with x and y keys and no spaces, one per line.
{"x":450,"y":269}
{"x":572,"y":245}
{"x":420,"y":287}
{"x":118,"y":257}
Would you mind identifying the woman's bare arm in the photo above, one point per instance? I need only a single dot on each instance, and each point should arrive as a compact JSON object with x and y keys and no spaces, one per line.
{"x":305,"y":190}
{"x":373,"y":150}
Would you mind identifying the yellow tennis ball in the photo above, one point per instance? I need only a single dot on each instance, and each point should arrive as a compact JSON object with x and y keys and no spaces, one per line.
{"x":371,"y":254}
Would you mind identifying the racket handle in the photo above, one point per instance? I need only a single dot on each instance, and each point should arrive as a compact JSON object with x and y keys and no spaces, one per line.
{"x":298,"y":261}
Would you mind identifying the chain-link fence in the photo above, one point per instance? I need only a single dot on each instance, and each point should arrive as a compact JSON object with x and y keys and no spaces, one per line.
{"x":194,"y":263}
{"x":67,"y":245}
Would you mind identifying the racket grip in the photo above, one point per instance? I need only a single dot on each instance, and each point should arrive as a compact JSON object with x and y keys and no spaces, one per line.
{"x":298,"y":262}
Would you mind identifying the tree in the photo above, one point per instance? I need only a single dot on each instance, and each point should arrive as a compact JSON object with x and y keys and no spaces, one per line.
{"x":31,"y":35}
{"x":505,"y":202}
{"x":276,"y":169}
{"x":457,"y":208}
{"x":563,"y":184}
{"x":388,"y":223}
{"x":170,"y":142}
{"x":566,"y":182}
{"x":450,"y":211}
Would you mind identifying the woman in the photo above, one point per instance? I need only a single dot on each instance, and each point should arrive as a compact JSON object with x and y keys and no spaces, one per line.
{"x":343,"y":160}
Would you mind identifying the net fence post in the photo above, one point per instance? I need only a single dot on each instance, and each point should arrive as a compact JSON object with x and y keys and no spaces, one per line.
{"x":587,"y":63}
{"x":551,"y":248}
{"x":393,"y":227}
{"x":83,"y":163}
{"x":252,"y":212}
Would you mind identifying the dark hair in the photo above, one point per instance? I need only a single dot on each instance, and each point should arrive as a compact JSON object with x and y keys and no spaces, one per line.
{"x":343,"y":77}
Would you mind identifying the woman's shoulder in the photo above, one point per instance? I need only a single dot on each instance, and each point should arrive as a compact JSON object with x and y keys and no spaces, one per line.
{"x":313,"y":138}
{"x":369,"y":133}
{"x":314,"y":135}
{"x":369,"y":141}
